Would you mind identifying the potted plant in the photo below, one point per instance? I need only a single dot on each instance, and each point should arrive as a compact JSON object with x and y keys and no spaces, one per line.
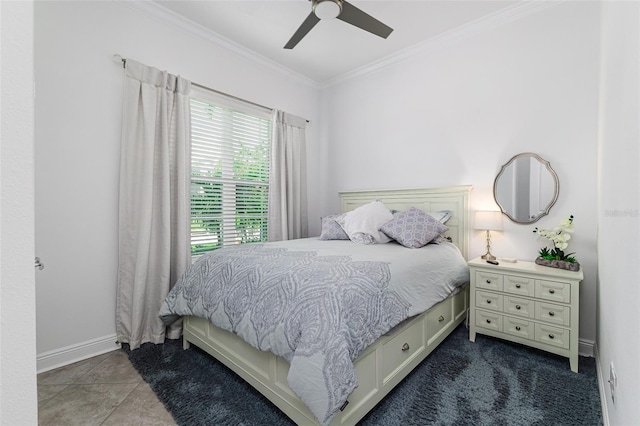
{"x":559,"y":237}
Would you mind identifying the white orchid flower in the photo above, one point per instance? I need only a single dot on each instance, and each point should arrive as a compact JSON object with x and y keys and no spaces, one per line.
{"x":559,"y":236}
{"x":566,"y":222}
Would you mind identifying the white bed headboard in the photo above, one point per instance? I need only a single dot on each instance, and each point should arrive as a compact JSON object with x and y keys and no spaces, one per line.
{"x":454,"y":198}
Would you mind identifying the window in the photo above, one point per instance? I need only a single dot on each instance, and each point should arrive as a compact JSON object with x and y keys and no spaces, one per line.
{"x":230,"y":150}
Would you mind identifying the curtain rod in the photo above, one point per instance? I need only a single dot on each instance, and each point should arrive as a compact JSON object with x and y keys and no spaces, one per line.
{"x":118,"y":58}
{"x":230,"y":96}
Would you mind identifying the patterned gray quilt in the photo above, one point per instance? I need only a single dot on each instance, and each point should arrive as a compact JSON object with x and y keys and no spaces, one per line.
{"x":318,"y":304}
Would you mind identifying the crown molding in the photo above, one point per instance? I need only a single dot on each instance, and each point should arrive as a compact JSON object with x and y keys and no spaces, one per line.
{"x":157,"y":11}
{"x":465,"y":31}
{"x":468,"y":30}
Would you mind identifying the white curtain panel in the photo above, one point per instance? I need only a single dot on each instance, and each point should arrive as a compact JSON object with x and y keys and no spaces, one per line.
{"x":154,"y":200}
{"x":288,"y":179}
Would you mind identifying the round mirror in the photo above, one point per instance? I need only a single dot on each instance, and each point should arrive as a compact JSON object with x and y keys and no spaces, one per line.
{"x":526,"y":188}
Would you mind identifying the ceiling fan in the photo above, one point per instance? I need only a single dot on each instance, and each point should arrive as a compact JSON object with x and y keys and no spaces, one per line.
{"x":341,"y":9}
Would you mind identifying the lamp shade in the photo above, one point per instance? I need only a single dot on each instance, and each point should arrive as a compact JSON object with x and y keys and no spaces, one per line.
{"x":488,"y":220}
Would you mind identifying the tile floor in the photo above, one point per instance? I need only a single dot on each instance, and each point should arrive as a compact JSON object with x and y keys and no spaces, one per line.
{"x":104,"y":390}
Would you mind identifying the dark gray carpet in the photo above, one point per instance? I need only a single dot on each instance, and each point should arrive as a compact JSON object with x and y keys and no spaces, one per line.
{"x":489,"y":382}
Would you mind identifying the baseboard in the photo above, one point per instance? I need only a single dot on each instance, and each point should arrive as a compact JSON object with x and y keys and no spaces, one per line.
{"x":74,"y":353}
{"x":585,"y":347}
{"x":602,"y":388}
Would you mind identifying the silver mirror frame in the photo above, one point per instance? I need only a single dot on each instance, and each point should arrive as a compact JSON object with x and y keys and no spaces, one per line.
{"x":553,"y":175}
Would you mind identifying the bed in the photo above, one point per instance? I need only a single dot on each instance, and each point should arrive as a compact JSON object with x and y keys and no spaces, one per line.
{"x":396,"y":350}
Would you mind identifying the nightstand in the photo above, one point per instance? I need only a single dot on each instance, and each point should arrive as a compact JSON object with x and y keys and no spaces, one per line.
{"x":530,"y":304}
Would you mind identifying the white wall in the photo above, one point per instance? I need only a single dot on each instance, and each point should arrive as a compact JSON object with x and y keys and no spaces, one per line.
{"x":618,"y":334}
{"x":77,"y":133}
{"x":18,"y":401}
{"x":459,"y":108}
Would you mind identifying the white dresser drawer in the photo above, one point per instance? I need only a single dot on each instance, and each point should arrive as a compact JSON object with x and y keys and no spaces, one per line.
{"x":552,"y":313}
{"x":489,"y":280}
{"x":552,"y":336}
{"x":519,"y":306}
{"x":553,"y":291}
{"x":520,"y":286}
{"x":519,"y":327}
{"x":489,"y":320}
{"x":489,"y":300}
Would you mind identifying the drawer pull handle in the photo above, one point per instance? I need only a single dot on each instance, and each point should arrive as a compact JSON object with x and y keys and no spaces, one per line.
{"x":441,"y":318}
{"x":488,"y":281}
{"x":488,"y":301}
{"x":488,"y":321}
{"x":517,"y":327}
{"x":551,"y":336}
{"x":405,"y":347}
{"x":551,"y":314}
{"x":518,"y":307}
{"x":551,"y":291}
{"x":517,"y":285}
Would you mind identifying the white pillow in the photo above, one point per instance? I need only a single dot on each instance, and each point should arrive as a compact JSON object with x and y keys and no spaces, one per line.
{"x":363,"y":224}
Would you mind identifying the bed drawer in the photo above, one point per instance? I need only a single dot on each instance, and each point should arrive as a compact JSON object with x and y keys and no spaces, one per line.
{"x":402,"y":349}
{"x":438,"y":319}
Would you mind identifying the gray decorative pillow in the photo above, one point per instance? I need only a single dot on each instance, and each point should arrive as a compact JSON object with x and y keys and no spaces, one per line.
{"x":413,"y":228}
{"x":331,"y":230}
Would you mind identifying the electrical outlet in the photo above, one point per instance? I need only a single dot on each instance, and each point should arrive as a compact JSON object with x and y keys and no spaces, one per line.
{"x":613,"y":381}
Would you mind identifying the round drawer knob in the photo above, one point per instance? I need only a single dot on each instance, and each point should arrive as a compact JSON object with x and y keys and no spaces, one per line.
{"x":405,"y":347}
{"x":551,"y":291}
{"x":488,"y":301}
{"x":441,"y":318}
{"x":488,"y":321}
{"x":488,"y":281}
{"x":518,"y":327}
{"x":551,"y":336}
{"x":518,"y":307}
{"x":551,"y":314}
{"x":517,"y":285}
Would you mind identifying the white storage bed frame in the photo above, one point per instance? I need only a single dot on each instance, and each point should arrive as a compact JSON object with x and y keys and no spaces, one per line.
{"x":388,"y":360}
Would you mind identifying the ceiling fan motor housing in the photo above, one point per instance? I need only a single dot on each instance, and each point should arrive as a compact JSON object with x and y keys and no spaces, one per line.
{"x":327,"y":9}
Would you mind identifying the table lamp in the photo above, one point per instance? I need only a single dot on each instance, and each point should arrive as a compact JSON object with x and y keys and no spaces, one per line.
{"x":488,"y":221}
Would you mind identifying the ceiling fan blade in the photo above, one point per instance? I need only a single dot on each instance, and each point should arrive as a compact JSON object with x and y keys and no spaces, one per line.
{"x":302,"y":31}
{"x":354,"y":16}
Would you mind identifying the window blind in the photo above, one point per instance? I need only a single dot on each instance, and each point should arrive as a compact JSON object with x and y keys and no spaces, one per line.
{"x":230,"y":151}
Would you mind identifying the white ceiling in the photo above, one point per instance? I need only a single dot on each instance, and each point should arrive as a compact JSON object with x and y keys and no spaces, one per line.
{"x":333,"y":47}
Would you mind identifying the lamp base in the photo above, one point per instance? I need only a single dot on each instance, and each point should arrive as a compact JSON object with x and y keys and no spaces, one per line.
{"x":488,"y":256}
